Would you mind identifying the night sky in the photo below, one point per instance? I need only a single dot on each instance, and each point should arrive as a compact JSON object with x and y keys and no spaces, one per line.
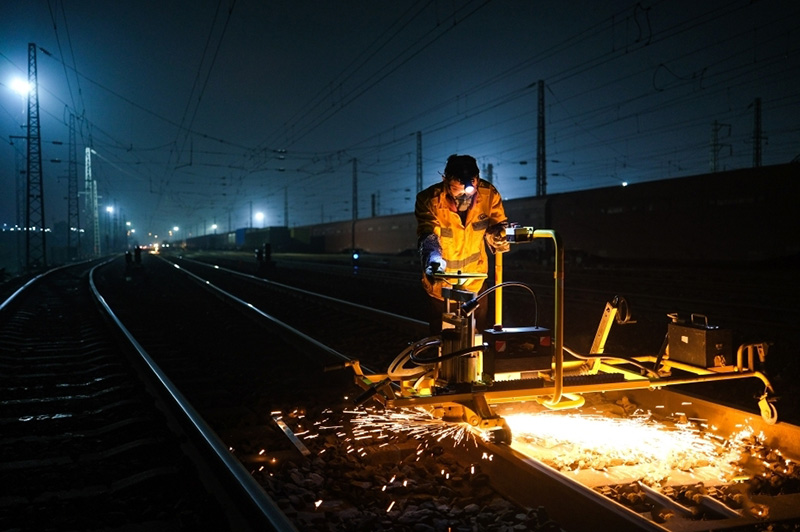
{"x":205,"y":112}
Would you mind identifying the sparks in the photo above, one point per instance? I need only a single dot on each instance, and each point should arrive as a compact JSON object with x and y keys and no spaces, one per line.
{"x":572,"y":442}
{"x":414,"y":423}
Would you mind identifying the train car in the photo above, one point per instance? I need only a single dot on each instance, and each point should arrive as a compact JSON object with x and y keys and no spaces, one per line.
{"x":724,"y":217}
{"x":392,"y":235}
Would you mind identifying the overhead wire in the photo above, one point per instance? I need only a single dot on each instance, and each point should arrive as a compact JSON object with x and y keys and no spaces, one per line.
{"x":389,"y":67}
{"x":179,"y":150}
{"x":358,"y":62}
{"x":364,"y":150}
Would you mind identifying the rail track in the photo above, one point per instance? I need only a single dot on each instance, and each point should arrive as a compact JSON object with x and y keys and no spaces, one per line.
{"x":256,"y":378}
{"x":92,"y":438}
{"x":250,"y":356}
{"x":715,"y":508}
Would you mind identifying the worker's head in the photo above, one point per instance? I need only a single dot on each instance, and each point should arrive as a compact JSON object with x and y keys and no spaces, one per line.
{"x":461,"y":176}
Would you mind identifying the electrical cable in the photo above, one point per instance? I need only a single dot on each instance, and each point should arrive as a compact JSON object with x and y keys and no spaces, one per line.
{"x":605,"y":356}
{"x":441,"y":358}
{"x":508,"y":284}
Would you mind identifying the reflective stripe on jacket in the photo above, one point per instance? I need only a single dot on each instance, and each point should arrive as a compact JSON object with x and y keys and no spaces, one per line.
{"x":462,"y":244}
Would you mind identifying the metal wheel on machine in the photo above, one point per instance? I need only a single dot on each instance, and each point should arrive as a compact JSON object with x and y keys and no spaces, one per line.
{"x":768,"y":411}
{"x":500,"y":435}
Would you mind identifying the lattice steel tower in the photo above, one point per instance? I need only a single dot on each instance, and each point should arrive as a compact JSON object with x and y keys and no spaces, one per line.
{"x":35,"y":239}
{"x":73,"y":208}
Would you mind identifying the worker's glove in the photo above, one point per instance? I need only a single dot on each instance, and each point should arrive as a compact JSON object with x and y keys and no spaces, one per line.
{"x":496,"y":238}
{"x":436,"y":264}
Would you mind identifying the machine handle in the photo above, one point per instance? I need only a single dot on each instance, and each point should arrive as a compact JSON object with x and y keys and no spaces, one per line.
{"x":693,"y":321}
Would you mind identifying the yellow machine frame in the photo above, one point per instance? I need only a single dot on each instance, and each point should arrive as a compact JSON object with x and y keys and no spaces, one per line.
{"x":475,"y":406}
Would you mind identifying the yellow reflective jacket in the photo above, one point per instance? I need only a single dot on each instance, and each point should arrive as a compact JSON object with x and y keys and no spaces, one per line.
{"x":462,"y":244}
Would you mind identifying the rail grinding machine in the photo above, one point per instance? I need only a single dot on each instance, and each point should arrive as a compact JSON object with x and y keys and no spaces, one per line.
{"x":459,"y":375}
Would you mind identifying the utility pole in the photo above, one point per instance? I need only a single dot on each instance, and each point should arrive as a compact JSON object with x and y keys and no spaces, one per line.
{"x":376,"y":203}
{"x":419,"y":162}
{"x":90,"y":191}
{"x":355,"y":204}
{"x":286,"y":207}
{"x":715,"y":145}
{"x":355,"y":189}
{"x":22,"y":181}
{"x":73,"y":211}
{"x":541,"y":167}
{"x":35,"y":239}
{"x":757,"y":133}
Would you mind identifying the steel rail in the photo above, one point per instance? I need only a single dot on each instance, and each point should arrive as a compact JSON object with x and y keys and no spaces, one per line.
{"x":362,"y":308}
{"x":512,"y":471}
{"x":542,"y":485}
{"x":6,"y":304}
{"x":263,"y":510}
{"x":306,"y":341}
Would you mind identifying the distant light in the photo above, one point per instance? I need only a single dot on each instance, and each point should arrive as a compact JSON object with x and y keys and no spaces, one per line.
{"x":20,"y":86}
{"x":624,"y":183}
{"x":128,"y":224}
{"x":175,"y":228}
{"x":109,"y":209}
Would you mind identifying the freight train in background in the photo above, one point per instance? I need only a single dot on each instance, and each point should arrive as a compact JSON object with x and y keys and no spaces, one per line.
{"x":739,"y":216}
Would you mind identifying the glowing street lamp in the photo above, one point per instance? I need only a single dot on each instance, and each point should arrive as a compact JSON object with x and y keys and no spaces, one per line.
{"x":260,"y":218}
{"x":20,"y":86}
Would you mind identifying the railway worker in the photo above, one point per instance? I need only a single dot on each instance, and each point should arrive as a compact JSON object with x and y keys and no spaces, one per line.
{"x":454,"y":219}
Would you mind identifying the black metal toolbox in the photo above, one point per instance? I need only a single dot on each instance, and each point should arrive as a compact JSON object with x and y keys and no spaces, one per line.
{"x":697,"y":343}
{"x":517,"y":350}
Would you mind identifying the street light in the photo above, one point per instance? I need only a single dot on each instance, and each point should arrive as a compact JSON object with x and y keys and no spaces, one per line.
{"x":260,"y":218}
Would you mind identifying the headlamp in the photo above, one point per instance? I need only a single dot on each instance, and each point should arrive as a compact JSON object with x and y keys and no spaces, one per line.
{"x":469,"y":187}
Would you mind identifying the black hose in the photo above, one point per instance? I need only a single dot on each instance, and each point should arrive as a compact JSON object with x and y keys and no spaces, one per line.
{"x":509,"y":283}
{"x":448,"y":356}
